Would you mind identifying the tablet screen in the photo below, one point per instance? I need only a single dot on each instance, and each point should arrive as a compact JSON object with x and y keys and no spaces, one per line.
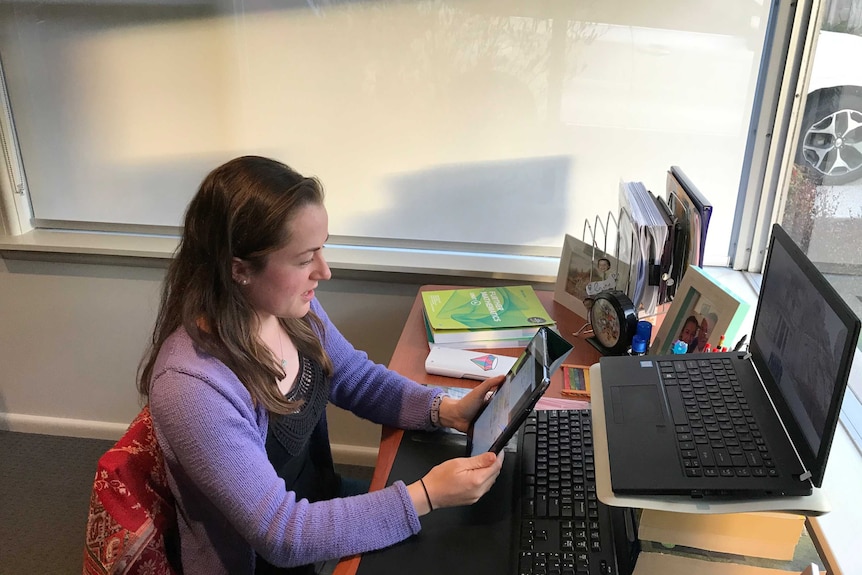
{"x":514,"y":399}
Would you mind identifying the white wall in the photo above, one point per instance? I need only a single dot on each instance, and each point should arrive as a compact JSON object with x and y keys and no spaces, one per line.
{"x":72,"y":333}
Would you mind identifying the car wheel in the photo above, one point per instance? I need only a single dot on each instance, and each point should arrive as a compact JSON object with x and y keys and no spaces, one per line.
{"x":830,"y":146}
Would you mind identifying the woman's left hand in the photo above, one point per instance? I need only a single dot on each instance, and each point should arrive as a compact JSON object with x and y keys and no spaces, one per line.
{"x":458,"y":413}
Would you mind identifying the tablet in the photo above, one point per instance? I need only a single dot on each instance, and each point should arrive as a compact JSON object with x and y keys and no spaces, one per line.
{"x":514,"y":399}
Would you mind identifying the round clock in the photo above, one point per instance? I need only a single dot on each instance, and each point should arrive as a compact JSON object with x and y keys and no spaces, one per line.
{"x":614,"y":322}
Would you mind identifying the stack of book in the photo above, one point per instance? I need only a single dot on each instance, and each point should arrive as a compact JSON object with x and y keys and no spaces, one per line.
{"x":483,"y":318}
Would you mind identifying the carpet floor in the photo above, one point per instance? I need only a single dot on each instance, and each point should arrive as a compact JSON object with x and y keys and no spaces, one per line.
{"x":45,"y":484}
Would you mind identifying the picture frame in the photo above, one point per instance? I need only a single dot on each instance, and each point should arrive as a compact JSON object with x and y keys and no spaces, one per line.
{"x":576,"y":381}
{"x":716,"y":311}
{"x":582,"y":274}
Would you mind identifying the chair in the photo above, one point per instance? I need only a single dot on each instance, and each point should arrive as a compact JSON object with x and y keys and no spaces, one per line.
{"x":132,"y":524}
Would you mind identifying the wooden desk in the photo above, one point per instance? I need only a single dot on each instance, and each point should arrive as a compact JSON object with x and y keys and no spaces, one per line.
{"x":409,"y":360}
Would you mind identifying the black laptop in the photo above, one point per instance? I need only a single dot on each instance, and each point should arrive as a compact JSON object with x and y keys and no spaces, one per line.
{"x":740,"y":424}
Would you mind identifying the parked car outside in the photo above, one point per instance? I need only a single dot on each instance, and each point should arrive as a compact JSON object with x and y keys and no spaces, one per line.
{"x":830,"y":144}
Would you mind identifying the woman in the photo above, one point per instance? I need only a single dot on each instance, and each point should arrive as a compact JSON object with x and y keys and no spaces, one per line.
{"x":242,"y":364}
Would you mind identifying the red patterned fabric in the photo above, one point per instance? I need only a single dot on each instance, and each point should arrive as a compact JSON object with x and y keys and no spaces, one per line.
{"x":132,"y":519}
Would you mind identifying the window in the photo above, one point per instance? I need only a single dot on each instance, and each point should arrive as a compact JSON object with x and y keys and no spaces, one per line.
{"x":821,"y":205}
{"x":493,"y":126}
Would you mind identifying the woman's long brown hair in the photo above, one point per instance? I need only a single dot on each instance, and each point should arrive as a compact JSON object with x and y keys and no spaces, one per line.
{"x":243,"y":209}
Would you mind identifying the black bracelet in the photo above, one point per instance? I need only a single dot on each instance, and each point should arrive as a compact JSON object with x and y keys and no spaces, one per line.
{"x":425,"y":489}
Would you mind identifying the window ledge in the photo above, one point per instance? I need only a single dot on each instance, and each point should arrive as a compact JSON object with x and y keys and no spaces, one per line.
{"x":90,"y":243}
{"x":340,"y":257}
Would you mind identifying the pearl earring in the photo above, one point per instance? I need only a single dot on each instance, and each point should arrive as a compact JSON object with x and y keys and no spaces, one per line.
{"x":244,"y":282}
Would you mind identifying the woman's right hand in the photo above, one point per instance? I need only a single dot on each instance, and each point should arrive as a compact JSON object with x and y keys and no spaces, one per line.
{"x":460,"y":481}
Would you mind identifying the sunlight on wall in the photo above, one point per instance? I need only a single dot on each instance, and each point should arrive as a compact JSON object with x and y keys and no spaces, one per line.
{"x":476,"y":122}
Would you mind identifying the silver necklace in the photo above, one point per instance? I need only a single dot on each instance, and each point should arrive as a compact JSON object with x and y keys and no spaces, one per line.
{"x":281,"y":349}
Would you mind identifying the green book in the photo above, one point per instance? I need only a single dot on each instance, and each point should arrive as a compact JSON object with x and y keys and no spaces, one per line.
{"x":484,"y":339}
{"x":470,"y":314}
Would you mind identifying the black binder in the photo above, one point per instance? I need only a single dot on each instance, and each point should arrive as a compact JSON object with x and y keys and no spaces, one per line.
{"x":704,"y":208}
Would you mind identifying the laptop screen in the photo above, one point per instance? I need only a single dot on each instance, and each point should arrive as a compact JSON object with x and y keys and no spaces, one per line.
{"x":802,"y":343}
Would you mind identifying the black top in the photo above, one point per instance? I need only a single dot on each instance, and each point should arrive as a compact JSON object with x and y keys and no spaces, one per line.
{"x":297,"y":445}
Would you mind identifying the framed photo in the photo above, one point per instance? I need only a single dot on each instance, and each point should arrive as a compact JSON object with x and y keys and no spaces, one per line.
{"x":576,"y":381}
{"x":702,"y":312}
{"x":584,"y":271}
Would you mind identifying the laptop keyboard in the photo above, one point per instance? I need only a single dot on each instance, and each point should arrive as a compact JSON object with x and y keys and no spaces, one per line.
{"x":564,"y":527}
{"x":716,"y":432}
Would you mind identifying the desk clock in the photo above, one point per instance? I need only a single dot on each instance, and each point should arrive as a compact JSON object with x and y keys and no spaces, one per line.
{"x":614,"y":322}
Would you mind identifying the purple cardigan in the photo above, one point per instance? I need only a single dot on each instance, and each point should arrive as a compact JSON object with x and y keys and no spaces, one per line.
{"x":230,"y":502}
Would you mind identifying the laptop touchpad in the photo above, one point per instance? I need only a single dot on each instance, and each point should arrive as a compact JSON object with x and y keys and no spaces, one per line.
{"x":636,"y":404}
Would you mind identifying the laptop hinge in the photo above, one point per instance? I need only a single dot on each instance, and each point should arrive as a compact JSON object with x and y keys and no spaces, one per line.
{"x":806,"y":474}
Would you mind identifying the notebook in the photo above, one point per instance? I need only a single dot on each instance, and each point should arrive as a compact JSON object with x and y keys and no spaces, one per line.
{"x":742,"y":424}
{"x":511,"y":403}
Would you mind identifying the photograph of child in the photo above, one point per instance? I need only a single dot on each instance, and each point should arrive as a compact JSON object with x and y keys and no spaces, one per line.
{"x":695,"y":330}
{"x":694,"y":323}
{"x":689,"y":332}
{"x":585,"y":280}
{"x":604,"y":266}
{"x":585,"y":271}
{"x":700,"y":314}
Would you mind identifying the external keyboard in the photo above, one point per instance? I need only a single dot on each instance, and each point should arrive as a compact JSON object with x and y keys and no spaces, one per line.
{"x":565,"y":529}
